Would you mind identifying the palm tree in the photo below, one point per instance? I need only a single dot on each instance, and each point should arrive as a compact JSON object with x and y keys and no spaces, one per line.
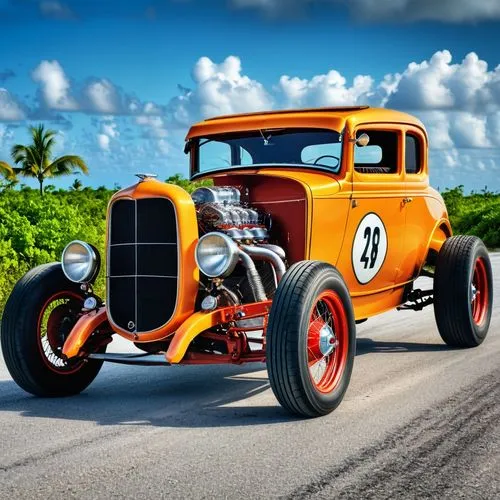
{"x":77,"y":185}
{"x":36,"y":159}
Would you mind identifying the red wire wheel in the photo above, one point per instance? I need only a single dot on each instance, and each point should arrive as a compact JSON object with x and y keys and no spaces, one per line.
{"x":55,"y":322}
{"x":479,"y":292}
{"x":39,"y":315}
{"x":311,"y":339}
{"x":327,"y":341}
{"x":463,"y":291}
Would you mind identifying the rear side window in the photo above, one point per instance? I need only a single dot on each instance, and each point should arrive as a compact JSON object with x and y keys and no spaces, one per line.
{"x":412,"y":155}
{"x":380,"y":156}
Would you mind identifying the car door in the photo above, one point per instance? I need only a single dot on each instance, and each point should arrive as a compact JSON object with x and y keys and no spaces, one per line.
{"x":373,"y":241}
{"x":421,"y":210}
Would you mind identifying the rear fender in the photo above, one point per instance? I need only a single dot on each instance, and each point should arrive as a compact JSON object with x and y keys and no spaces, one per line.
{"x":442,"y":231}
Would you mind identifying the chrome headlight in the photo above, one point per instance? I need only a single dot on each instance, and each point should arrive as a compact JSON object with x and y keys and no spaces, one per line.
{"x":80,"y":262}
{"x":216,"y":255}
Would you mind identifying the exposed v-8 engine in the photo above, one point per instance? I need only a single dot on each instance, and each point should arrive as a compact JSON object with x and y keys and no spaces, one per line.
{"x":234,"y":252}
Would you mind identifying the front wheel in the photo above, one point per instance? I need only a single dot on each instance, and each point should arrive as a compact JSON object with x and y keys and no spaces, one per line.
{"x":38,"y":317}
{"x":311,"y":339}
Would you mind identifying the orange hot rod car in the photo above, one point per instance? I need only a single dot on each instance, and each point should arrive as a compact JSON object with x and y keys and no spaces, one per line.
{"x":316,"y":220}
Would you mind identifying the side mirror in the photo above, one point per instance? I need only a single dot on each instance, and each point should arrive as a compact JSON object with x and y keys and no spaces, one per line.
{"x":363,"y":140}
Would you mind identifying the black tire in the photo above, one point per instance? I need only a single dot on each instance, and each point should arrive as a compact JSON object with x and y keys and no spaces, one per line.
{"x":20,"y":336}
{"x":459,"y":321}
{"x":288,"y":331}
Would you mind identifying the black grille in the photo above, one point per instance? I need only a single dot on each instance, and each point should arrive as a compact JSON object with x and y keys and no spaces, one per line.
{"x":142,"y":263}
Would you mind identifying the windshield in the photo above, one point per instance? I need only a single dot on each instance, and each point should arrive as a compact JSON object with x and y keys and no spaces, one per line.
{"x":310,"y":148}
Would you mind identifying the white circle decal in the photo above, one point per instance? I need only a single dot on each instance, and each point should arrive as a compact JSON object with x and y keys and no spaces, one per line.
{"x":369,"y":248}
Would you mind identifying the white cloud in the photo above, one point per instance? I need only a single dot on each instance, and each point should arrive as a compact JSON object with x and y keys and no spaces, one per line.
{"x":468,"y":130}
{"x":6,"y":136}
{"x":103,"y":141}
{"x":103,"y":97}
{"x":473,"y":168}
{"x":55,"y":86}
{"x":155,"y":130}
{"x":10,"y":109}
{"x":447,"y":11}
{"x":219,"y":89}
{"x":439,"y":84}
{"x":436,"y":84}
{"x":459,"y":103}
{"x":96,"y":96}
{"x":438,"y":129}
{"x":421,"y":85}
{"x":450,"y":158}
{"x":55,"y":9}
{"x":493,"y":128}
{"x":163,"y":147}
{"x":326,"y":90}
{"x":459,"y":129}
{"x":150,"y":108}
{"x":110,"y":129}
{"x":108,"y":133}
{"x":154,"y":125}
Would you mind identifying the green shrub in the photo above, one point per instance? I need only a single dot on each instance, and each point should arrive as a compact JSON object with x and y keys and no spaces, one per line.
{"x":35,"y":230}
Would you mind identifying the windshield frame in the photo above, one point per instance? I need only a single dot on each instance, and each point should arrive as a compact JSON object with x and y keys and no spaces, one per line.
{"x":192,"y":148}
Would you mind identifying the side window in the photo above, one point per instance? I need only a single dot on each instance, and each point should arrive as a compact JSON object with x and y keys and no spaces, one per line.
{"x":412,"y":155}
{"x":380,"y":156}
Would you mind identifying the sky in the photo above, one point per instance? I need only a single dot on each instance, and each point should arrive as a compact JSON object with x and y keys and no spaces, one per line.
{"x":122,"y":81}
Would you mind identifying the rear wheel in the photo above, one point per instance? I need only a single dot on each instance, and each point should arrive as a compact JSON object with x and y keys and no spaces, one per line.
{"x":38,"y":317}
{"x":463,"y":291}
{"x":311,"y":338}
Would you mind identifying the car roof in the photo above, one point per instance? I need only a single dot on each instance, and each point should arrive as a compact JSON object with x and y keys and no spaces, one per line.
{"x":329,"y":118}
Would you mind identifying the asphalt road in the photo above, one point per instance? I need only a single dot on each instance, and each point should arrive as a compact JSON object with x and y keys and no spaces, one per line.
{"x":419,"y":420}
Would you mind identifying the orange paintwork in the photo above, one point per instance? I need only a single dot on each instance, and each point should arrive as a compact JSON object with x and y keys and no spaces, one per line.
{"x":338,"y":202}
{"x":82,"y":331}
{"x":412,"y":213}
{"x":202,"y":321}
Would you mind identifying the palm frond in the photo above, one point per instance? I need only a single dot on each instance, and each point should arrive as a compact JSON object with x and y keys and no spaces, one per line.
{"x":27,"y":159}
{"x":43,"y":142}
{"x":7,"y":171}
{"x":65,"y":165}
{"x":20,"y":153}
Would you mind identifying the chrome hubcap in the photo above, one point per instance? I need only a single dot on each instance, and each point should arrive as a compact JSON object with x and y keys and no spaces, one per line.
{"x":474,"y":292}
{"x":327,"y":340}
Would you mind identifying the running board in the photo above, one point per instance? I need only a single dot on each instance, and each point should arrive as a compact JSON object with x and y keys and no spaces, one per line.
{"x":132,"y":359}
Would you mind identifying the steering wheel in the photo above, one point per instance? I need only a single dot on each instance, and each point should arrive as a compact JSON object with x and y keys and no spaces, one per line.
{"x":326,"y":156}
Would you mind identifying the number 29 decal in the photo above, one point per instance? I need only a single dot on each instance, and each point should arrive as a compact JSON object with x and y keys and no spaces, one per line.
{"x":369,"y":248}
